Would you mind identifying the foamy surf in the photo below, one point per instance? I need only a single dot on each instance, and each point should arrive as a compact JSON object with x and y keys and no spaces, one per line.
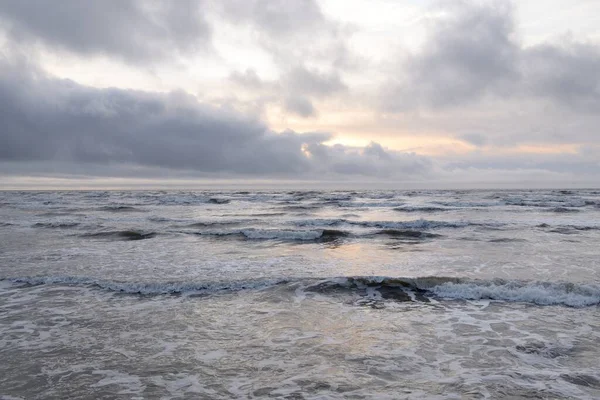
{"x":442,"y":288}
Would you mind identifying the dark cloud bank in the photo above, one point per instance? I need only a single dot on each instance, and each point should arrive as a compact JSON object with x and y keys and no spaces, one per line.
{"x":132,"y":30}
{"x":50,"y":120}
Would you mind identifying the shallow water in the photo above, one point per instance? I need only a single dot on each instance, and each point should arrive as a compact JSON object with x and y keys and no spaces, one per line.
{"x":377,"y":294}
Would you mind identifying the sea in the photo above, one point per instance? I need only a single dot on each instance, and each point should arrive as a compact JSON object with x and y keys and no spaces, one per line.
{"x":329,"y":294}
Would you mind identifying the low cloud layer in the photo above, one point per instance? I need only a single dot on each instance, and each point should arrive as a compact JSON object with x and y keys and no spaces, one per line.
{"x":47,"y":120}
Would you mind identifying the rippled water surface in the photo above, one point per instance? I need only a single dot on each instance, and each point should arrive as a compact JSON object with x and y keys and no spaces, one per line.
{"x":300,"y":294}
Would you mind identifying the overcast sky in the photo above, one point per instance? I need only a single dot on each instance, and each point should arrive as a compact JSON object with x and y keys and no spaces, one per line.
{"x":385,"y":93}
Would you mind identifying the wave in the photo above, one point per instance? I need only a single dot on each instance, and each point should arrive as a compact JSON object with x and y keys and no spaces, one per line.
{"x":120,"y":235}
{"x":117,"y":209}
{"x":62,"y":225}
{"x":215,"y":200}
{"x":404,"y":233}
{"x":424,"y":209}
{"x":563,"y":210}
{"x":369,"y":204}
{"x":507,"y":240}
{"x":414,"y":224}
{"x":423,"y":224}
{"x":281,"y":234}
{"x":540,"y":293}
{"x":569,"y":229}
{"x":213,"y":224}
{"x":150,"y":288}
{"x":300,"y":207}
{"x":374,"y":287}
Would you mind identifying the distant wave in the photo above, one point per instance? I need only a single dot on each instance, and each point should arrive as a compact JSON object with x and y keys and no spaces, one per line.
{"x":215,"y":200}
{"x":423,"y":209}
{"x":374,"y":287}
{"x":120,"y":235}
{"x":155,"y":288}
{"x":507,"y":240}
{"x":118,"y":209}
{"x":404,"y":233}
{"x":414,"y":224}
{"x":370,"y":204}
{"x":55,"y":224}
{"x":563,"y":210}
{"x":569,"y":229}
{"x":281,"y":234}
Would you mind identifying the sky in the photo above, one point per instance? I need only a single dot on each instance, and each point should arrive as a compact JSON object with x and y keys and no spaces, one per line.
{"x":325,"y":93}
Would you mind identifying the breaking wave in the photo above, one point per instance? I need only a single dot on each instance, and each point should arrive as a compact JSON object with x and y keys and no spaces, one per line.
{"x":120,"y":235}
{"x":280,"y":234}
{"x":377,"y":287}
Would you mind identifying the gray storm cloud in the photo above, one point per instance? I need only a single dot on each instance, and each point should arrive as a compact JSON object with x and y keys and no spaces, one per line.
{"x":132,"y":30}
{"x":472,"y":51}
{"x":51,"y":120}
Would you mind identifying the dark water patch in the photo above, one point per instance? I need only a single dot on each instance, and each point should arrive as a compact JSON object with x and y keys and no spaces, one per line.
{"x":120,"y":235}
{"x":61,"y":214}
{"x":2,"y":224}
{"x":58,"y":225}
{"x":406,"y":246}
{"x":564,"y":231}
{"x":157,"y":218}
{"x":582,"y":380}
{"x":407,"y":233}
{"x":563,"y":210}
{"x":119,"y":209}
{"x":214,"y":224}
{"x":350,"y":215}
{"x":320,"y":235}
{"x":320,"y":222}
{"x":568,"y":229}
{"x":215,"y":200}
{"x":423,"y":209}
{"x":273,"y":214}
{"x":542,"y":349}
{"x":333,"y":234}
{"x":419,"y":224}
{"x":369,"y":293}
{"x":301,"y":207}
{"x":507,"y":240}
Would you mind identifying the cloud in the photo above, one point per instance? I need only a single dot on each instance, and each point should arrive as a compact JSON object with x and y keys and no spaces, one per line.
{"x":472,"y":53}
{"x":48,"y":121}
{"x":276,"y":17}
{"x":312,"y":82}
{"x":566,"y":74}
{"x":469,"y":51}
{"x":295,"y":90}
{"x":300,"y":106}
{"x":132,"y":30}
{"x":475,"y":139}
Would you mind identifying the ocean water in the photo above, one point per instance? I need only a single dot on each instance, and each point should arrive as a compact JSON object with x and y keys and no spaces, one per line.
{"x":300,"y":294}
